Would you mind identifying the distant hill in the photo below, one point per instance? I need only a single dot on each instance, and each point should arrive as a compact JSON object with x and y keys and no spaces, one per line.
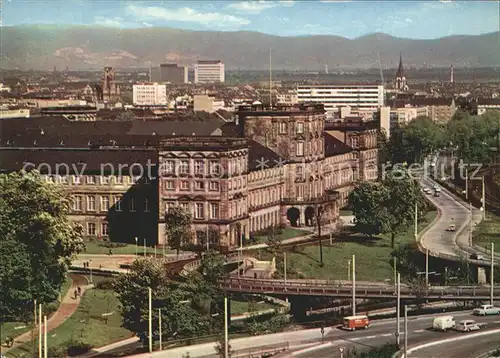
{"x":86,"y":47}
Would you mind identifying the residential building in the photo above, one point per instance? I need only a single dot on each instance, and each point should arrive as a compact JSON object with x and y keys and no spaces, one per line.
{"x":483,"y":105}
{"x":366,"y":98}
{"x":204,"y":102}
{"x":149,"y":95}
{"x":438,"y":109}
{"x":287,"y":98}
{"x":173,"y":73}
{"x":209,"y":72}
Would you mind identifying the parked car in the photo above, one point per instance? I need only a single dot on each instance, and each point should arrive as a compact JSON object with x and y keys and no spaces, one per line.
{"x":467,"y":325}
{"x":485,"y":310}
{"x":476,"y":257}
{"x":451,"y":228}
{"x":443,"y":323}
{"x":351,"y":323}
{"x":427,"y":190}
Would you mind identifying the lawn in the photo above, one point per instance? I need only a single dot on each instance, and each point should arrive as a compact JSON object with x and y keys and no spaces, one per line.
{"x":14,"y":329}
{"x":372,"y":257}
{"x":87,"y":324}
{"x":93,"y":247}
{"x":239,"y":307}
{"x":488,"y":231}
{"x":287,"y":233}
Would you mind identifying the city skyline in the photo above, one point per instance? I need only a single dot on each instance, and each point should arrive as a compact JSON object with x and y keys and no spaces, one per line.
{"x":350,"y":19}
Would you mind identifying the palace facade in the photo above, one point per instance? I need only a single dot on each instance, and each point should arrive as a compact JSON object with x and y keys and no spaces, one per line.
{"x":270,"y":167}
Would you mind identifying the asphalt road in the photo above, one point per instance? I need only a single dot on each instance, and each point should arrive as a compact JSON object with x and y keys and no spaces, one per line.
{"x":473,"y":348}
{"x":437,"y":239}
{"x":382,"y":332}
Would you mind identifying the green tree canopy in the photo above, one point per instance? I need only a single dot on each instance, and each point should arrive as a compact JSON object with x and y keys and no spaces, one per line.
{"x":38,"y":242}
{"x":177,"y":227}
{"x":387,"y":207}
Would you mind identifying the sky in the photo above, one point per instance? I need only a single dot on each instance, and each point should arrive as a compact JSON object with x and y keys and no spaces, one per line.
{"x":347,"y":18}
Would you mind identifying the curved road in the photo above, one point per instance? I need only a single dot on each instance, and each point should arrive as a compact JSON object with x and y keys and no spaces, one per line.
{"x":419,"y":330}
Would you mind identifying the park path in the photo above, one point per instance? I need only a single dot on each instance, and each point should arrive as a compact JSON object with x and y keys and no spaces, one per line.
{"x":68,"y":306}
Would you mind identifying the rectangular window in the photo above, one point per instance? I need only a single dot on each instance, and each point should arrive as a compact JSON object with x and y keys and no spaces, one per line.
{"x":199,"y":212}
{"x":90,"y":179}
{"x":118,"y":203}
{"x":169,"y":167}
{"x":91,"y":229}
{"x":282,"y":128}
{"x":300,"y":127}
{"x":131,"y":204}
{"x":104,"y":203}
{"x":300,"y":149}
{"x":214,"y":186}
{"x":184,"y":167}
{"x":77,"y":203}
{"x":214,"y":168}
{"x":355,"y":142}
{"x":146,"y":205}
{"x":214,"y":211}
{"x":199,"y":167}
{"x":169,"y":185}
{"x":185,"y":207}
{"x":90,"y":203}
{"x":199,"y":185}
{"x":184,"y":185}
{"x":104,"y":229}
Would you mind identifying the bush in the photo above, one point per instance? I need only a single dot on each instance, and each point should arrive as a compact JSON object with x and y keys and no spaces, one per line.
{"x":77,"y":348}
{"x":111,"y":245}
{"x":106,"y":284}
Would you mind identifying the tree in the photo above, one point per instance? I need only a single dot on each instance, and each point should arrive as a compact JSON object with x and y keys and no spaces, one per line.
{"x":319,"y":210}
{"x":177,"y":227}
{"x":38,"y":242}
{"x":387,"y":207}
{"x":409,"y":260}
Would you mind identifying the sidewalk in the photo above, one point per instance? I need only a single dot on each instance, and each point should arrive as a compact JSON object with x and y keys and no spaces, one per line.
{"x":67,"y":307}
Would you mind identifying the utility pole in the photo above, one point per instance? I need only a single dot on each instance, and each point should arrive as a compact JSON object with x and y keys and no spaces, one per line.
{"x":284,"y":264}
{"x":270,"y":82}
{"x":40,"y":331}
{"x":470,"y":224}
{"x":226,"y":339}
{"x":348,"y":270}
{"x":45,"y":348}
{"x":354,"y":285}
{"x":395,"y":272}
{"x":484,"y":201}
{"x":150,"y":318}
{"x":136,"y":246}
{"x":416,"y":221}
{"x":492,"y":273}
{"x":466,"y":182}
{"x":208,"y":243}
{"x":406,"y":331}
{"x":427,"y":268}
{"x":159,"y":328}
{"x":398,"y":310}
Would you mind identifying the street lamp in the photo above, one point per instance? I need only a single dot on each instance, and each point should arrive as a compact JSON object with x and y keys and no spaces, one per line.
{"x":136,"y":246}
{"x":144,"y":247}
{"x":90,"y":266}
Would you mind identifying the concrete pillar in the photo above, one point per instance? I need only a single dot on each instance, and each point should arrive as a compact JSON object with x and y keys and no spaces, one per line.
{"x":302,"y":217}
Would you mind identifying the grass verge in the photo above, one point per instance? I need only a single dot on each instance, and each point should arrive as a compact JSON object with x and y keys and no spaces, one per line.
{"x":488,"y":231}
{"x":87,"y":324}
{"x":239,"y":307}
{"x":287,"y":233}
{"x":372,"y":256}
{"x":97,"y":248}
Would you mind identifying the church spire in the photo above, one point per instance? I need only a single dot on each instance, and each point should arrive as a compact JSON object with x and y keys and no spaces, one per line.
{"x":400,"y":67}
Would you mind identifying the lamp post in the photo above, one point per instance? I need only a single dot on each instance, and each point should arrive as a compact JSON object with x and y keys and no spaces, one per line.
{"x":136,"y":246}
{"x":90,"y":267}
{"x":45,"y":348}
{"x":226,"y":338}
{"x":284,"y":264}
{"x":144,"y":247}
{"x":406,"y":332}
{"x":354,"y":285}
{"x":483,"y":198}
{"x":159,"y":328}
{"x":427,"y":268}
{"x":150,"y":318}
{"x":348,"y":270}
{"x":492,"y":273}
{"x":40,"y":331}
{"x":398,"y":309}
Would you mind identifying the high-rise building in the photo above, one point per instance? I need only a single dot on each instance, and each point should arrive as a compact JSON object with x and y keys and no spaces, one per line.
{"x":209,"y":72}
{"x":334,"y":97}
{"x":173,"y":73}
{"x":150,"y":95}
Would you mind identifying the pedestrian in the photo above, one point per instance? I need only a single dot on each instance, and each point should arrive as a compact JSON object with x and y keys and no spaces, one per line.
{"x":110,"y":252}
{"x":11,"y":342}
{"x":79,"y":290}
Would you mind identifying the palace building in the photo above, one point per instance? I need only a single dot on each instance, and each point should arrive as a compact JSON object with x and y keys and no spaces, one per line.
{"x":270,"y":167}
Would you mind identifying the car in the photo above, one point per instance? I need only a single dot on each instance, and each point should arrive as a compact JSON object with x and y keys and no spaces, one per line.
{"x":452,"y":227}
{"x":443,"y":323}
{"x":476,"y":257}
{"x":467,"y":325}
{"x":427,"y":190}
{"x":485,"y":310}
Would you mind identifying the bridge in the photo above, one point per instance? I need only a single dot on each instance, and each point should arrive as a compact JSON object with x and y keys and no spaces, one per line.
{"x":340,"y":289}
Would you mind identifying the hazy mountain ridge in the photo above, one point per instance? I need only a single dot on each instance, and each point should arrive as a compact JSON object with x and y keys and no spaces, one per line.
{"x":43,"y":47}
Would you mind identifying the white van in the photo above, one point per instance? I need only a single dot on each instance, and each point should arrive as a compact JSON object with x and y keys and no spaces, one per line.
{"x":443,"y":323}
